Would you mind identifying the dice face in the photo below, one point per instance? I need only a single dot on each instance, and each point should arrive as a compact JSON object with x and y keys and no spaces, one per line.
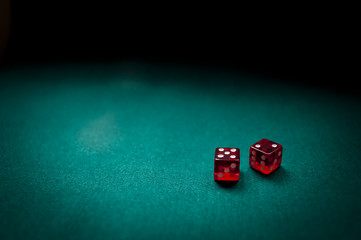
{"x":226,"y":164}
{"x":265,"y":156}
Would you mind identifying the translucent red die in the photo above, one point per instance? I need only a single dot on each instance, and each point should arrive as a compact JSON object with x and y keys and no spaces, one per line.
{"x":265,"y":156}
{"x":226,"y":164}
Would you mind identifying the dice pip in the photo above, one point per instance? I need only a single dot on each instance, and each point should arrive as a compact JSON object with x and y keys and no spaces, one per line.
{"x":265,"y":156}
{"x":226,"y":164}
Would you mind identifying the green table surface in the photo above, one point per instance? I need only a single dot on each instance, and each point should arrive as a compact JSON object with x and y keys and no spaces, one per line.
{"x":125,"y":150}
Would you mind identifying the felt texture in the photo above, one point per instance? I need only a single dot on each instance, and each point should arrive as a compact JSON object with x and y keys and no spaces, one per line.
{"x":125,"y":151}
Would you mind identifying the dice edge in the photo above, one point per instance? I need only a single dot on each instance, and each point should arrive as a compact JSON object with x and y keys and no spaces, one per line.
{"x":279,"y":146}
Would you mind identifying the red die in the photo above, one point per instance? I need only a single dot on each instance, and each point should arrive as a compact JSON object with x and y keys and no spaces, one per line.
{"x":226,"y":164}
{"x":265,"y":156}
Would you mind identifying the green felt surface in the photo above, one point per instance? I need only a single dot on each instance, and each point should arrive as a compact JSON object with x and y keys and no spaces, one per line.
{"x":125,"y":151}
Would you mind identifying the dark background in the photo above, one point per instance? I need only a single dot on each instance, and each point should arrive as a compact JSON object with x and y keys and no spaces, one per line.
{"x":307,"y":43}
